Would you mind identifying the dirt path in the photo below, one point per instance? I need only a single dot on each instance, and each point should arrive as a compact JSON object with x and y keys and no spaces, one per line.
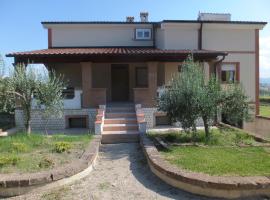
{"x":121,"y":173}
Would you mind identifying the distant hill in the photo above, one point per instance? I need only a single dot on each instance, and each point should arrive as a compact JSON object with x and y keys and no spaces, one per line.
{"x":265,"y":81}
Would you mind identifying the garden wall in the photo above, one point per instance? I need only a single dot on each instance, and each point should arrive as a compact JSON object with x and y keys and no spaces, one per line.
{"x":228,"y":187}
{"x":38,"y":122}
{"x":260,"y":126}
{"x":17,"y":184}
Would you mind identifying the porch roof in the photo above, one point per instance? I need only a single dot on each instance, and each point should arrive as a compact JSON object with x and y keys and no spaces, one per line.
{"x":110,"y":54}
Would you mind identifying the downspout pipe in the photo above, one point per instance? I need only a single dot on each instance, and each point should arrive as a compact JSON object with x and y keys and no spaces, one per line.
{"x":154,"y":34}
{"x":200,"y":36}
{"x":217,"y":63}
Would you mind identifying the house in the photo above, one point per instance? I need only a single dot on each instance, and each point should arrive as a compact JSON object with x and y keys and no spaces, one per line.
{"x":130,"y":62}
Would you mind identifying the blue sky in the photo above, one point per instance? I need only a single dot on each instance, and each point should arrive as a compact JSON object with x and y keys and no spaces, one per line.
{"x":20,"y":27}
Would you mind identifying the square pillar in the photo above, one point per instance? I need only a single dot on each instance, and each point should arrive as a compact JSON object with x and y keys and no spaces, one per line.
{"x":152,"y":81}
{"x":86,"y":83}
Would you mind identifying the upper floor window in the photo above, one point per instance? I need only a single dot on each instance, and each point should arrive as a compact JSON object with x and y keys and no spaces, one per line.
{"x":143,"y":34}
{"x":229,"y":73}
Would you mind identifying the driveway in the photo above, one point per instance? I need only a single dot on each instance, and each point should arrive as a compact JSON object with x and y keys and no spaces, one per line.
{"x":120,"y":173}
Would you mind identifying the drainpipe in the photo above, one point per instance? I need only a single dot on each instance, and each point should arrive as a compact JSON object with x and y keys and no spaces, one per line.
{"x":217,"y":63}
{"x":200,"y":36}
{"x":154,"y":34}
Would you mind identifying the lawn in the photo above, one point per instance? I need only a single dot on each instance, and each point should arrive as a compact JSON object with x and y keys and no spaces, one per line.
{"x":228,"y":152}
{"x":22,"y":153}
{"x":265,"y":110}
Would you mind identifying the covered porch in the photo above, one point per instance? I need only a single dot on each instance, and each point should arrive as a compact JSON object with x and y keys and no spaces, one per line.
{"x":97,"y":76}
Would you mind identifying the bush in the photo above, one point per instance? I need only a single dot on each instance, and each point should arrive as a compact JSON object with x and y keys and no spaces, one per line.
{"x":61,"y":147}
{"x":171,"y":137}
{"x":46,"y":163}
{"x":8,"y":160}
{"x":265,"y":100}
{"x":18,"y":147}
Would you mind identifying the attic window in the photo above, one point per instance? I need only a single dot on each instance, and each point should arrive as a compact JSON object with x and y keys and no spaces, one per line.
{"x":143,"y":34}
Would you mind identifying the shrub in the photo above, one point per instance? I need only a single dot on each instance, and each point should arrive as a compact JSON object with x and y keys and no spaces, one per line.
{"x":18,"y":147}
{"x":171,"y":137}
{"x":8,"y":160}
{"x":46,"y":163}
{"x":61,"y":147}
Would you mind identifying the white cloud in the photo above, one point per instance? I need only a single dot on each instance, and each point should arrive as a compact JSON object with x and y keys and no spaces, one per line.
{"x":265,"y":57}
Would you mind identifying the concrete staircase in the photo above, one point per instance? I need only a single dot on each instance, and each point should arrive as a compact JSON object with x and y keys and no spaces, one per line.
{"x":120,"y":124}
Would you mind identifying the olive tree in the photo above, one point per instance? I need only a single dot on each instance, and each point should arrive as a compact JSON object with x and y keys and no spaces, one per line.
{"x":25,"y":84}
{"x":191,"y":97}
{"x":7,"y":101}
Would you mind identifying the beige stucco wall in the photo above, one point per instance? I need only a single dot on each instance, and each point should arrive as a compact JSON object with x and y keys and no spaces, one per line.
{"x":71,"y":71}
{"x":180,"y":36}
{"x":160,"y":40}
{"x":225,"y":39}
{"x":97,"y":35}
{"x":247,"y":72}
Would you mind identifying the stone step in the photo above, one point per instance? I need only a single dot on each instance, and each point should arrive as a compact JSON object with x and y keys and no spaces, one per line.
{"x":120,"y":109}
{"x":113,"y":137}
{"x":124,"y":120}
{"x":119,"y":114}
{"x":119,"y":127}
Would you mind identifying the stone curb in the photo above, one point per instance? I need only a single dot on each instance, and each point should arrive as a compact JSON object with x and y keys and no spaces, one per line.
{"x":203,"y":184}
{"x":19,"y":181}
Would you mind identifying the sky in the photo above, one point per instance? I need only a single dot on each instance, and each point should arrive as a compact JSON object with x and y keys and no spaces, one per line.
{"x":20,"y":27}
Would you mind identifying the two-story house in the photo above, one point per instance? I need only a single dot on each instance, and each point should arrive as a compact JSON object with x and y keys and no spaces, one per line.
{"x":128,"y":62}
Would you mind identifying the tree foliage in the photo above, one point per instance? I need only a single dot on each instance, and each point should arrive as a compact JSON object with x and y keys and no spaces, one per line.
{"x":7,"y":101}
{"x":191,"y":97}
{"x":25,"y":84}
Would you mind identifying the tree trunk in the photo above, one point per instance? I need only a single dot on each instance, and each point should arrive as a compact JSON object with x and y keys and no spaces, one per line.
{"x":206,"y":128}
{"x":27,"y":121}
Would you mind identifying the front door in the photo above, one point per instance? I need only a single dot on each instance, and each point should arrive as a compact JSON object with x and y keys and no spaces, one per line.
{"x":120,"y":82}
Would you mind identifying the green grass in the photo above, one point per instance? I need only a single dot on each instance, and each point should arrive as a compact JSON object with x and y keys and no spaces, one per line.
{"x":247,"y":161}
{"x":228,"y":152}
{"x":265,"y":110}
{"x":35,"y":150}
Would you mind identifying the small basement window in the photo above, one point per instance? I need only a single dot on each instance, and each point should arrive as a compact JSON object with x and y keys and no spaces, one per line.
{"x":162,"y":120}
{"x":143,"y":34}
{"x":77,"y":122}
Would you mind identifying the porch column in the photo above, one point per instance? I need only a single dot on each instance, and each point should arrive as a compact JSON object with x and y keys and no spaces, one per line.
{"x":86,"y":83}
{"x":152,"y":81}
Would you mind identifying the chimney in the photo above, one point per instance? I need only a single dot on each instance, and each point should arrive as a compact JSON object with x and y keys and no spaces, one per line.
{"x":144,"y":16}
{"x":214,"y":16}
{"x":130,"y":19}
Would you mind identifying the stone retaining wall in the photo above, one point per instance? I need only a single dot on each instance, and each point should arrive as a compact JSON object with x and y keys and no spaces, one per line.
{"x":17,"y":184}
{"x":260,"y":126}
{"x":203,"y":184}
{"x":38,"y":122}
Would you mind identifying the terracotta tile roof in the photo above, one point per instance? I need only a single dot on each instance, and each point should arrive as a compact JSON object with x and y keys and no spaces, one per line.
{"x":110,"y":51}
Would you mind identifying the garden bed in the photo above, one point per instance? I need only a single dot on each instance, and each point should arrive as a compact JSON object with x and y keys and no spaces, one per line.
{"x":73,"y":157}
{"x":228,"y":152}
{"x":230,"y":164}
{"x":21,"y":153}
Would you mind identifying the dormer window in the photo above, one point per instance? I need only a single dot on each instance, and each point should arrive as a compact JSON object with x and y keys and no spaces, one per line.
{"x":143,"y":34}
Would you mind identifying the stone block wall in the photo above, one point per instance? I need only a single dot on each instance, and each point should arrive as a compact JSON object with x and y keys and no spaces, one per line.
{"x":54,"y":123}
{"x":149,"y":116}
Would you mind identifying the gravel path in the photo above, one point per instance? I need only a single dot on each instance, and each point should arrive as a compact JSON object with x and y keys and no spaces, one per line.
{"x":121,"y":173}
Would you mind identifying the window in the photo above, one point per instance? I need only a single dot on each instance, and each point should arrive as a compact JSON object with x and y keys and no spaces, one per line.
{"x":141,"y":77}
{"x":229,"y":73}
{"x":143,"y":34}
